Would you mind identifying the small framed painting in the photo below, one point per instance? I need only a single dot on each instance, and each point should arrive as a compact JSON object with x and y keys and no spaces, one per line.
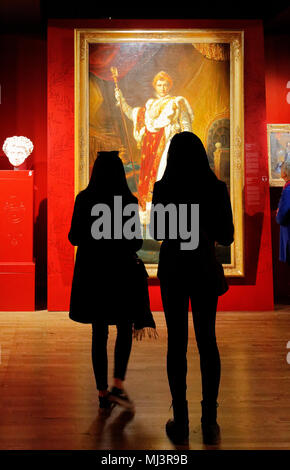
{"x":278,"y":136}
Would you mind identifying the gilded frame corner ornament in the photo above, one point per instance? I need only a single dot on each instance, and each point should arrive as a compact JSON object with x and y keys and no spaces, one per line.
{"x":273,"y":129}
{"x":235,"y":38}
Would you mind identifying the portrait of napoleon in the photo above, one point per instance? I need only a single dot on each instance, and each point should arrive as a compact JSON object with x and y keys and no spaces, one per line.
{"x":141,"y":94}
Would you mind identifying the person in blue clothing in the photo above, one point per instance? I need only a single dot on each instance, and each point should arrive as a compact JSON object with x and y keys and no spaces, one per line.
{"x":283,"y":215}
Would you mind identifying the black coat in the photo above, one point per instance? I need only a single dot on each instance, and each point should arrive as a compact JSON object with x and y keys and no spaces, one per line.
{"x":108,"y":283}
{"x":199,"y":267}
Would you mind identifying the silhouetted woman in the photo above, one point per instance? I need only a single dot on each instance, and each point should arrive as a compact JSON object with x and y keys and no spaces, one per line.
{"x":195,"y":275}
{"x":109,"y":280}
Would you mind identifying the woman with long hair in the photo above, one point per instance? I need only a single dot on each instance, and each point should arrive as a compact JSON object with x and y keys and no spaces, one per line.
{"x":195,"y":275}
{"x":110,"y":282}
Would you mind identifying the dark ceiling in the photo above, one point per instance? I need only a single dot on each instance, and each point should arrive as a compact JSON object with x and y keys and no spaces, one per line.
{"x":32,"y":15}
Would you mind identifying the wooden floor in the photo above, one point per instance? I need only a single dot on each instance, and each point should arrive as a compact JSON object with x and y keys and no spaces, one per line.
{"x":49,"y":401}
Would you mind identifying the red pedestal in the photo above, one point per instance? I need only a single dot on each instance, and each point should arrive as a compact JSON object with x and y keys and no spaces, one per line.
{"x":17,"y":268}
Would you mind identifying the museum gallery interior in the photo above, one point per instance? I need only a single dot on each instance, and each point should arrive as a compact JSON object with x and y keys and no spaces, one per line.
{"x":62,"y":73}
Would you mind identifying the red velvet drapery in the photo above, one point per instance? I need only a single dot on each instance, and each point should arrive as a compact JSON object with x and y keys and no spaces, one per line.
{"x":122,"y":56}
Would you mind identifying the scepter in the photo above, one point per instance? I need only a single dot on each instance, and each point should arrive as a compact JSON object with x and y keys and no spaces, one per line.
{"x":114,"y":72}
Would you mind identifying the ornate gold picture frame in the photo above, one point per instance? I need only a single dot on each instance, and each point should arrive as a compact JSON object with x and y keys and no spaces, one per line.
{"x":205,"y":69}
{"x":278,"y":138}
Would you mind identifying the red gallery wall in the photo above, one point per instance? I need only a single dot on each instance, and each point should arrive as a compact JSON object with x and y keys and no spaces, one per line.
{"x":23,"y":112}
{"x":254,"y":291}
{"x":277,"y":68}
{"x":277,"y":63}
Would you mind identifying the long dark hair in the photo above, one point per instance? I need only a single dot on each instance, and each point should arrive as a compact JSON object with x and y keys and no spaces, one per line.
{"x":108,"y":176}
{"x":187,"y":170}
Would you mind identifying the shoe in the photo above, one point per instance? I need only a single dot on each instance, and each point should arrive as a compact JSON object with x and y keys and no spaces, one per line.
{"x":105,"y":405}
{"x":209,"y":426}
{"x":177,"y":429}
{"x":118,"y":396}
{"x":105,"y":402}
{"x":178,"y":435}
{"x":211,"y":433}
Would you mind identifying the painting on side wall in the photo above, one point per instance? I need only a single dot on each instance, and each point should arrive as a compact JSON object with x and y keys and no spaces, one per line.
{"x":278,"y":151}
{"x":135,"y":90}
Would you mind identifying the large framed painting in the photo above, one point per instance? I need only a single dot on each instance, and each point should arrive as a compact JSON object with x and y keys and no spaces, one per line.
{"x":135,"y":89}
{"x":278,"y":136}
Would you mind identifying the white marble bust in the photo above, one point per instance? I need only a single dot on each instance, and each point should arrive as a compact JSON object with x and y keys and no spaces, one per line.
{"x":17,"y":149}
